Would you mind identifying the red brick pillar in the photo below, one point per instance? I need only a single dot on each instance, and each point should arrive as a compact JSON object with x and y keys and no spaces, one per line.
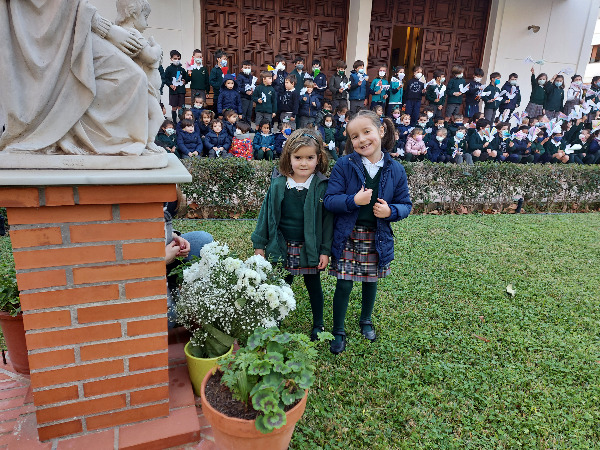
{"x":91,"y":271}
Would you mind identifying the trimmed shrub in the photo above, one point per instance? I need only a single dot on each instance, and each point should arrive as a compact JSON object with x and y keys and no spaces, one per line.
{"x":234,"y":188}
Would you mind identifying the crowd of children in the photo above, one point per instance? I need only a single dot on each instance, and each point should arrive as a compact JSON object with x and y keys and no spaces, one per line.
{"x":462,"y":121}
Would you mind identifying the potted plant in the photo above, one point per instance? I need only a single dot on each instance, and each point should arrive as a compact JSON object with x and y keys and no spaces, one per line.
{"x":11,"y":317}
{"x":222,"y":299}
{"x":256,"y":396}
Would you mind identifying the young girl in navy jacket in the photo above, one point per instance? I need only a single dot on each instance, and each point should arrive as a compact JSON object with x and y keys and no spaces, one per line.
{"x":367,"y":191}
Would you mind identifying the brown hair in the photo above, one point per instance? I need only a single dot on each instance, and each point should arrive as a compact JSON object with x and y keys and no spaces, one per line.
{"x":292,"y":79}
{"x":303,"y":137}
{"x":215,"y":121}
{"x":309,"y":83}
{"x":457,"y":69}
{"x":228,"y":113}
{"x":387,"y":141}
{"x":265,"y":74}
{"x":208,"y":112}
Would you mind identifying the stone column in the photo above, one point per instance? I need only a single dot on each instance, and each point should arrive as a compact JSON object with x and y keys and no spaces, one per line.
{"x":359,"y":25}
{"x":89,"y":253}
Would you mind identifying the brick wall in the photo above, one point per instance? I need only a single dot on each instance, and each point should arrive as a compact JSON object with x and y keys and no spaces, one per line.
{"x":90,"y":268}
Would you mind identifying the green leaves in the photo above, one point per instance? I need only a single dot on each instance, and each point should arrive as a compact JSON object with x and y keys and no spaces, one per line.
{"x":271,"y":421}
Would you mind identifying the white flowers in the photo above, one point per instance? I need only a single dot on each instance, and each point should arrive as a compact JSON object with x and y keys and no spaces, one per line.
{"x":232,"y":295}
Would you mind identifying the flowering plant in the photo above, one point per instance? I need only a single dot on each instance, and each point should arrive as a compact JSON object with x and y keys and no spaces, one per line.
{"x":223,"y":298}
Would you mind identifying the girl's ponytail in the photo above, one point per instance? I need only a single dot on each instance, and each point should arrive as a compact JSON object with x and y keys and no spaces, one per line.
{"x":388,"y":141}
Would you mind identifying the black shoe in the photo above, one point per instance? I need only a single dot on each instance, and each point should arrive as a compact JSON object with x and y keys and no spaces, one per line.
{"x":314,"y":335}
{"x":337,"y":347}
{"x":370,"y":334}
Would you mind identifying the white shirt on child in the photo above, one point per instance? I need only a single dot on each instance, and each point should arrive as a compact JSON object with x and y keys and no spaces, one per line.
{"x":291,"y":184}
{"x":372,"y":168}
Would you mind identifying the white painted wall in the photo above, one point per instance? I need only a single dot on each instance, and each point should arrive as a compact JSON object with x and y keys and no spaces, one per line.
{"x":566,"y":31}
{"x":175,"y":24}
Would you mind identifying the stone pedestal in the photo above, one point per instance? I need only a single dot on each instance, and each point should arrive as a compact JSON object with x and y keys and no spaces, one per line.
{"x":89,"y":251}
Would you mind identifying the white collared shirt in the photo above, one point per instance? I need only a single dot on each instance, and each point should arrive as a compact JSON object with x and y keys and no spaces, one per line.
{"x":291,"y":184}
{"x":372,"y":169}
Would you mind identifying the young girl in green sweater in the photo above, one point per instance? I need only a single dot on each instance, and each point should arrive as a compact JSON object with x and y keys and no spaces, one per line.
{"x":293,"y":226}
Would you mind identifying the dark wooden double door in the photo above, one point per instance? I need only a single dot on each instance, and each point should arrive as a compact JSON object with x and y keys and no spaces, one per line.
{"x":452,"y":32}
{"x":257,"y":30}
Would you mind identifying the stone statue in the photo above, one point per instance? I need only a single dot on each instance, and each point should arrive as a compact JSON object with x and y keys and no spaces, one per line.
{"x":79,"y":90}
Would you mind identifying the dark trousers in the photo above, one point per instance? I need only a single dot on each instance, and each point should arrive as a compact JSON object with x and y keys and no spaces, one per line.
{"x":412,"y":108}
{"x":470,"y":110}
{"x":390,"y":108}
{"x":247,"y":109}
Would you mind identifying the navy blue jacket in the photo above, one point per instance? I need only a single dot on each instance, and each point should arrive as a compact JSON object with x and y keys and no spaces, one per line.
{"x":289,"y":101}
{"x":189,"y":142}
{"x":472,"y":93}
{"x":347,"y":178}
{"x":242,"y":81}
{"x":320,"y":85}
{"x":221,"y":140}
{"x":229,"y":98}
{"x":436,"y":148}
{"x":229,"y":128}
{"x":306,"y":106}
{"x":414,"y":90}
{"x":279,"y":83}
{"x":204,"y":129}
{"x":515,"y":102}
{"x":280,"y":141}
{"x":594,"y":146}
{"x":355,"y":91}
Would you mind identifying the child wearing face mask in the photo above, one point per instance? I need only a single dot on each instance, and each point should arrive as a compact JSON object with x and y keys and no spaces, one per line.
{"x":415,"y":149}
{"x":176,"y":78}
{"x":491,"y":101}
{"x":379,"y":88}
{"x":338,"y":85}
{"x":535,"y":107}
{"x":574,"y":94}
{"x":357,"y":92}
{"x":436,"y":94}
{"x":199,"y":77}
{"x":396,"y":91}
{"x":472,"y":98}
{"x":555,"y":147}
{"x":340,"y":135}
{"x":241,"y":144}
{"x":217,"y":74}
{"x":319,"y":79}
{"x":511,"y":88}
{"x":520,"y":145}
{"x":244,"y":81}
{"x":555,"y":96}
{"x":299,"y":73}
{"x":413,"y":94}
{"x":328,"y":132}
{"x":453,"y":93}
{"x":458,"y":148}
{"x":197,"y":107}
{"x":479,"y":146}
{"x":166,"y":138}
{"x":438,"y":146}
{"x":593,"y":93}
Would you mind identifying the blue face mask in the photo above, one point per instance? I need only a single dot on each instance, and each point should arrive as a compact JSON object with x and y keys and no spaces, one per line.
{"x":557,"y":138}
{"x":505,"y":133}
{"x":497,"y":82}
{"x":287,"y":131}
{"x":540,"y":138}
{"x":460,"y":134}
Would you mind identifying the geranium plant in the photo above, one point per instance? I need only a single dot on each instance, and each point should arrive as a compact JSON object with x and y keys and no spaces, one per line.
{"x":271,"y":372}
{"x":223,"y":298}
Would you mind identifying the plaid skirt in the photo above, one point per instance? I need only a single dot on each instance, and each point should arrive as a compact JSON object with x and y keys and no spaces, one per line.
{"x":534,"y":110}
{"x":360,"y":260}
{"x":292,"y":264}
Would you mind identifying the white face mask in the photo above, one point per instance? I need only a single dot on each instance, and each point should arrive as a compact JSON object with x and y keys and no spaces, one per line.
{"x":280,"y":65}
{"x":576,"y":83}
{"x":342,"y":117}
{"x":477,"y":79}
{"x":246,"y":71}
{"x":429,"y":114}
{"x":401,"y":76}
{"x":176,"y":62}
{"x":443,"y":79}
{"x":422,"y":124}
{"x":439,"y":138}
{"x":170,"y":131}
{"x":238,"y":131}
{"x":382,"y":73}
{"x":328,"y":124}
{"x":361,"y":70}
{"x":224,"y":63}
{"x":513,"y":82}
{"x":460,"y":75}
{"x":198,"y":61}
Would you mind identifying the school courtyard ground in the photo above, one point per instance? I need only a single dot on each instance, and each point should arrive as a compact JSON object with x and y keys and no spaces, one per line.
{"x":458,"y":361}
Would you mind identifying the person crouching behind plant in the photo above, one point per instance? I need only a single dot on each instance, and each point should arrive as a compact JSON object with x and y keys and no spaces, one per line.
{"x":166,"y":138}
{"x":367,"y":191}
{"x":263,"y":143}
{"x":293,"y":226}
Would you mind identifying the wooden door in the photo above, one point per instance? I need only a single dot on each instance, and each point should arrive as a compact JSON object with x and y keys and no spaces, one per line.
{"x":258,"y":30}
{"x":453,"y":32}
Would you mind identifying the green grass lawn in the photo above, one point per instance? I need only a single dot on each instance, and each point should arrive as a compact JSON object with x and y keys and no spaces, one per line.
{"x":531,"y":379}
{"x":458,"y":363}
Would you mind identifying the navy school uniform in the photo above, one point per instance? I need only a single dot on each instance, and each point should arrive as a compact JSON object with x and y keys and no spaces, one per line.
{"x":437,"y":151}
{"x":213,"y":139}
{"x":320,"y":85}
{"x":472,"y":99}
{"x":280,"y":141}
{"x":189,"y":142}
{"x":413,"y":94}
{"x":289,"y":102}
{"x":513,"y":103}
{"x":229,"y":98}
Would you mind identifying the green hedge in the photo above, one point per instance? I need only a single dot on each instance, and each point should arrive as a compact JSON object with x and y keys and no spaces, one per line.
{"x":235,"y":187}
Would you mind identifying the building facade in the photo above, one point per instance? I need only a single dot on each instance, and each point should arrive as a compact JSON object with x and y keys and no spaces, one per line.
{"x":496,"y":35}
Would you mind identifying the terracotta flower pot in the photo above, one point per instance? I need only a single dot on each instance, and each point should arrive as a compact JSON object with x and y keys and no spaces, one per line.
{"x":14,"y":336}
{"x":199,"y":367}
{"x":238,"y":434}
